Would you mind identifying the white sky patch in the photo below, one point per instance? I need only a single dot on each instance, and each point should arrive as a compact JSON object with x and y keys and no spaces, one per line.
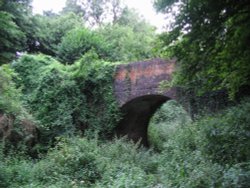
{"x":44,"y":5}
{"x":144,"y":7}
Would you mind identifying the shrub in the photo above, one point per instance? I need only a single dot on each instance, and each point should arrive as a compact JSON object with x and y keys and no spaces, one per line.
{"x":68,"y":98}
{"x":30,"y":69}
{"x":210,"y":152}
{"x":225,"y":137}
{"x":237,"y":176}
{"x":183,"y":162}
{"x":9,"y":95}
{"x":95,"y":78}
{"x":55,"y":103}
{"x":17,"y":126}
{"x":76,"y":43}
{"x":166,"y":121}
{"x":81,"y":162}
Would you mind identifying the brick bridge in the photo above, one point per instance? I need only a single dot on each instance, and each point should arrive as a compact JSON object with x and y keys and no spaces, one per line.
{"x":138,"y":93}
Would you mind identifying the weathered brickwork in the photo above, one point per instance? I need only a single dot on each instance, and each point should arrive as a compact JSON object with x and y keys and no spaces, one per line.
{"x":138,"y":93}
{"x":143,"y":78}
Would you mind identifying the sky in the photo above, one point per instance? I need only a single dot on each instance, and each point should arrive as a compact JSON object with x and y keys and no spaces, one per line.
{"x":144,"y":7}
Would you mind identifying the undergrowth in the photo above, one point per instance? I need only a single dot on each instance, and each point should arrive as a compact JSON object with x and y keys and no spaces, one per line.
{"x":198,"y":154}
{"x":75,"y":111}
{"x":169,"y":117}
{"x":67,"y":99}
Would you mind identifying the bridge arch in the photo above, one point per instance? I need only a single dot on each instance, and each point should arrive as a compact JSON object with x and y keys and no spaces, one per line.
{"x":138,"y":93}
{"x":136,"y":116}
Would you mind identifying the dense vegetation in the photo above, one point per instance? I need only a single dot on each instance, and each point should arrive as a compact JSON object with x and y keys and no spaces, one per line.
{"x":210,"y":152}
{"x":58,"y":111}
{"x":210,"y":39}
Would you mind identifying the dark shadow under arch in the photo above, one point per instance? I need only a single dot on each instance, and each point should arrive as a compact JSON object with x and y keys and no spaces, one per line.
{"x":136,"y":117}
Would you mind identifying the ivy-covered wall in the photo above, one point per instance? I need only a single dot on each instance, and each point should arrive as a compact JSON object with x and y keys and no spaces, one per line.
{"x":68,"y":99}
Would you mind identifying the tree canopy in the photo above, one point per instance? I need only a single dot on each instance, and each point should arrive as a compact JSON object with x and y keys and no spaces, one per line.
{"x":211,"y":41}
{"x":52,"y":28}
{"x":15,"y":31}
{"x":96,"y":12}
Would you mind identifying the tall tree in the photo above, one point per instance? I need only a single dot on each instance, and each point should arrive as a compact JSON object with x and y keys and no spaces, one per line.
{"x":52,"y":28}
{"x":76,"y":43}
{"x":131,"y":18}
{"x":73,"y":6}
{"x":129,"y":39}
{"x":12,"y":38}
{"x":96,"y":12}
{"x":211,"y":40}
{"x":116,"y":9}
{"x":16,"y":28}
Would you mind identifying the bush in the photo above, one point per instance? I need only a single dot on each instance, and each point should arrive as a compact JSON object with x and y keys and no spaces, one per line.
{"x":49,"y":93}
{"x":17,"y":126}
{"x":210,"y":152}
{"x":30,"y":69}
{"x":95,"y":78}
{"x":55,"y":102}
{"x":183,"y":162}
{"x":9,"y":95}
{"x":225,"y":138}
{"x":79,"y":162}
{"x":237,"y":176}
{"x":76,"y":43}
{"x":165,"y":122}
{"x":68,"y":98}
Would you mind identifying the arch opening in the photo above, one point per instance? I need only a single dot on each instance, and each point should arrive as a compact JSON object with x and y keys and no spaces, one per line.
{"x":136,"y":117}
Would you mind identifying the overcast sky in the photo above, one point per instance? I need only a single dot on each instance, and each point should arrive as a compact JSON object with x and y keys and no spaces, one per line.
{"x":144,"y":7}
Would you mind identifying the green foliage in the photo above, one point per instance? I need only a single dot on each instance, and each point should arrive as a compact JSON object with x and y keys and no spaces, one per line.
{"x":30,"y":69}
{"x":15,"y":40}
{"x":131,"y":18}
{"x":72,"y":162}
{"x":55,"y":102}
{"x":49,"y":93}
{"x":129,"y":38}
{"x":210,"y":152}
{"x":225,"y":137}
{"x":78,"y":162}
{"x":76,"y":43}
{"x":73,"y":6}
{"x":112,"y":43}
{"x":183,"y":162}
{"x":209,"y":40}
{"x":95,"y":78}
{"x":124,"y":43}
{"x":95,"y":12}
{"x":17,"y":126}
{"x":237,"y":176}
{"x":52,"y":29}
{"x":68,"y":98}
{"x":21,"y":13}
{"x":169,"y":118}
{"x":9,"y":95}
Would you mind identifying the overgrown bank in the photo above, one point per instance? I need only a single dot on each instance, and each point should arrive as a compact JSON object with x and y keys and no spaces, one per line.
{"x":63,"y":99}
{"x":210,"y":152}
